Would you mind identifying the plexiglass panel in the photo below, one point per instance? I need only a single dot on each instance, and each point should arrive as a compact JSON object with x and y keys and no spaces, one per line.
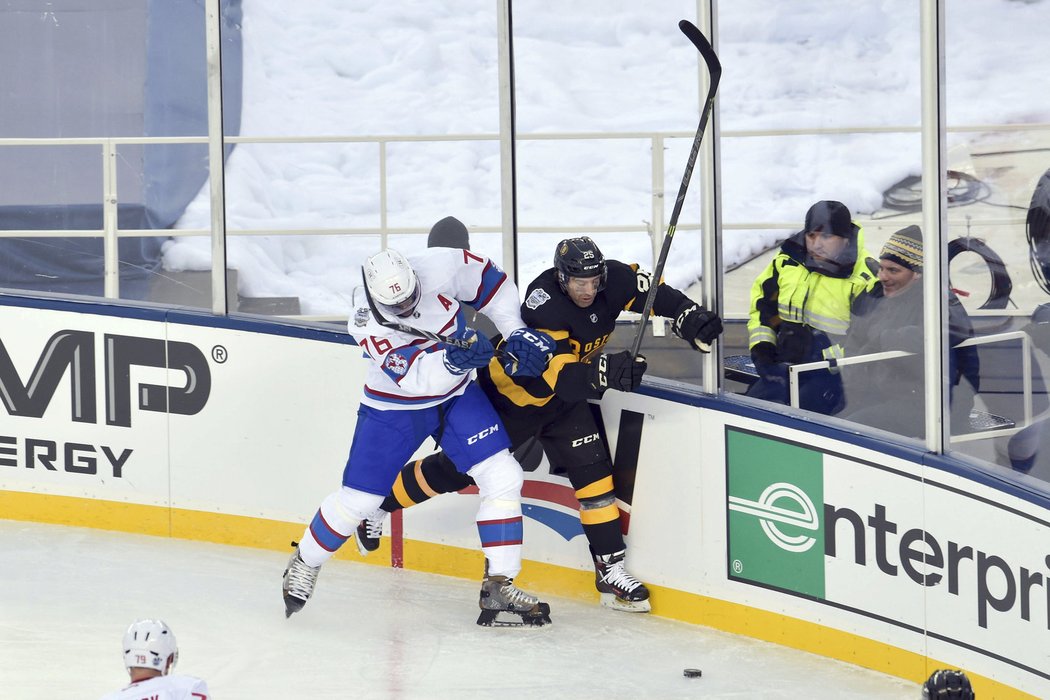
{"x":820,"y":122}
{"x":361,"y":129}
{"x":85,"y":202}
{"x":999,"y":153}
{"x":607,"y":105}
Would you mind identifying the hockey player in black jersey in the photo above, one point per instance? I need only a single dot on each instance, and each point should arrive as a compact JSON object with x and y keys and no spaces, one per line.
{"x":577,"y":302}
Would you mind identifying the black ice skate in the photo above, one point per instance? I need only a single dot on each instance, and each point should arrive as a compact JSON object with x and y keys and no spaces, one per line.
{"x":500,"y":595}
{"x":298,"y":584}
{"x":369,"y":531}
{"x":619,"y":590}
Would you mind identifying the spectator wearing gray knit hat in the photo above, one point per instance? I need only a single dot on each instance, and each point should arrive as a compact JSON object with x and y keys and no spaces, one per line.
{"x":889,"y":393}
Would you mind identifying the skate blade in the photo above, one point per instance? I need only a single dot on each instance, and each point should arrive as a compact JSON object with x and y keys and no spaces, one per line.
{"x":506,"y":618}
{"x":292,"y":605}
{"x":363,"y":548}
{"x":611,"y":601}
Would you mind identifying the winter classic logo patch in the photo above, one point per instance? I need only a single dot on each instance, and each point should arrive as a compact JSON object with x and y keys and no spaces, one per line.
{"x":537,"y":298}
{"x":396,"y":364}
{"x":361,"y":317}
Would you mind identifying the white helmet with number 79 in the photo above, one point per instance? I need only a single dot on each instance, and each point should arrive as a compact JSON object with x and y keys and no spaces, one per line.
{"x":150,"y":644}
{"x":392,"y":283}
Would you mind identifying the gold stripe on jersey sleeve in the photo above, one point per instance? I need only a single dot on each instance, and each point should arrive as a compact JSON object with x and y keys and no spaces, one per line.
{"x":630,"y":302}
{"x":515,"y":392}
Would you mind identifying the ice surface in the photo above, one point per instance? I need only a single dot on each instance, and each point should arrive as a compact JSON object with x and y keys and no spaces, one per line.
{"x":369,"y":632}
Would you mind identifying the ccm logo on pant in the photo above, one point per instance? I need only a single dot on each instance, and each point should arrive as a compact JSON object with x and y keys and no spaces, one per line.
{"x":483,"y":434}
{"x":584,"y":440}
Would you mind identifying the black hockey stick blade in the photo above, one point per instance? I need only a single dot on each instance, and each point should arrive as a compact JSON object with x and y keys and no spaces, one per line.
{"x":714,"y":67}
{"x":412,"y":330}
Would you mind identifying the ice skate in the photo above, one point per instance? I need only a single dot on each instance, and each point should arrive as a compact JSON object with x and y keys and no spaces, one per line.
{"x":619,"y":590}
{"x":369,"y":531}
{"x":500,"y":595}
{"x":298,"y":584}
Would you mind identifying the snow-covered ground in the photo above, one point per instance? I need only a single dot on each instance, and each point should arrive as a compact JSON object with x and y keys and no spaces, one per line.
{"x":333,"y":67}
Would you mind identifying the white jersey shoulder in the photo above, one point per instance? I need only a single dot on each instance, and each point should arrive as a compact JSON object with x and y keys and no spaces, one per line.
{"x":164,"y":688}
{"x":408,"y":371}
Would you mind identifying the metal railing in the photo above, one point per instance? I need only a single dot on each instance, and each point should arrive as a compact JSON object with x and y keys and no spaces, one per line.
{"x":795,"y":372}
{"x":654,"y":228}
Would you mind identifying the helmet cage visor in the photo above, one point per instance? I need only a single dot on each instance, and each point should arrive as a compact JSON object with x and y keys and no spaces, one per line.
{"x":402,"y":309}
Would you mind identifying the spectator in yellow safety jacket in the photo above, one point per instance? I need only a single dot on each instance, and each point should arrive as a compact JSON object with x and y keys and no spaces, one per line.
{"x":801,"y":306}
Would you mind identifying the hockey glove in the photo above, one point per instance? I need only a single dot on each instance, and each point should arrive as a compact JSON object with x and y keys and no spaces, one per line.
{"x":764,"y":353}
{"x":776,"y":372}
{"x":697,"y":326}
{"x":461,"y":360}
{"x":795,"y":342}
{"x":527,"y":353}
{"x":618,"y":371}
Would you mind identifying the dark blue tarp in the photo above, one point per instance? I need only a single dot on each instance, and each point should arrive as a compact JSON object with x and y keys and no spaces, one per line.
{"x":104,"y":68}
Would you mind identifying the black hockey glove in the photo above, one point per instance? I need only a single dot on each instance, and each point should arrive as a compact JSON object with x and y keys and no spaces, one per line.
{"x":794,"y":342}
{"x":698,"y":326}
{"x":767,"y":363}
{"x":461,"y":360}
{"x":764,"y":353}
{"x":618,"y":371}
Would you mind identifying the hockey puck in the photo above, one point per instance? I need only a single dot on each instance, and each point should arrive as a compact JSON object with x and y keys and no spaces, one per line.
{"x":692,"y":672}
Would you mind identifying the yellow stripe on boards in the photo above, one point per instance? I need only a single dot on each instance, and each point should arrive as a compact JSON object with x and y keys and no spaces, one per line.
{"x":162,"y":521}
{"x":536,"y":577}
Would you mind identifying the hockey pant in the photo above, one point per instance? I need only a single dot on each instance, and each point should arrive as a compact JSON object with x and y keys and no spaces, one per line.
{"x":572,"y":443}
{"x":467,"y":428}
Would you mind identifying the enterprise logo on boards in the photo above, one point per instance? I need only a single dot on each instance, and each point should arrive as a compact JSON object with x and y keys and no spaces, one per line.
{"x":803,"y":516}
{"x":833,"y":529}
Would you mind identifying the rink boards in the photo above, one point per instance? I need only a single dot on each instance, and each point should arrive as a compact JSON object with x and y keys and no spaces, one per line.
{"x":181,"y":424}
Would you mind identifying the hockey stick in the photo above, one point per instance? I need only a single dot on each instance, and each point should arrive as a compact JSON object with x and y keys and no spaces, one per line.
{"x":714,"y":68}
{"x":411,"y":330}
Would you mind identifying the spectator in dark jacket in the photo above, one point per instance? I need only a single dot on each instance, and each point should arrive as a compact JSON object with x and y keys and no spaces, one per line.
{"x":889,"y":393}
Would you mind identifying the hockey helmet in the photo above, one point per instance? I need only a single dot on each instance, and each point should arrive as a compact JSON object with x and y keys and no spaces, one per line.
{"x":945,"y":684}
{"x":392,"y":283}
{"x":150,"y":644}
{"x":579,"y":257}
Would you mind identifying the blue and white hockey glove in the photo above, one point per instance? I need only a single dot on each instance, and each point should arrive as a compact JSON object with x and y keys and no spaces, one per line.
{"x":461,"y":360}
{"x":527,"y":352}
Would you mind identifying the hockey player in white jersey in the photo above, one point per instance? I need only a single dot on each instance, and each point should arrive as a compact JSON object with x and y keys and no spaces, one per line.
{"x":150,"y":654}
{"x":418,"y":388}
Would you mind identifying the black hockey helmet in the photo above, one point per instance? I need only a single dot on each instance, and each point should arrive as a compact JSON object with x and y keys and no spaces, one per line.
{"x":579,"y":257}
{"x":945,"y":684}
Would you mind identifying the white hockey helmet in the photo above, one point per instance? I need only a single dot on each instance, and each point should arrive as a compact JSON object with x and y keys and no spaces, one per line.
{"x":150,"y":644}
{"x":392,"y":283}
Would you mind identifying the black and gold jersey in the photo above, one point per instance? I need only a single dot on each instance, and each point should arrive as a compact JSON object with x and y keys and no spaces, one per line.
{"x":580,"y":334}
